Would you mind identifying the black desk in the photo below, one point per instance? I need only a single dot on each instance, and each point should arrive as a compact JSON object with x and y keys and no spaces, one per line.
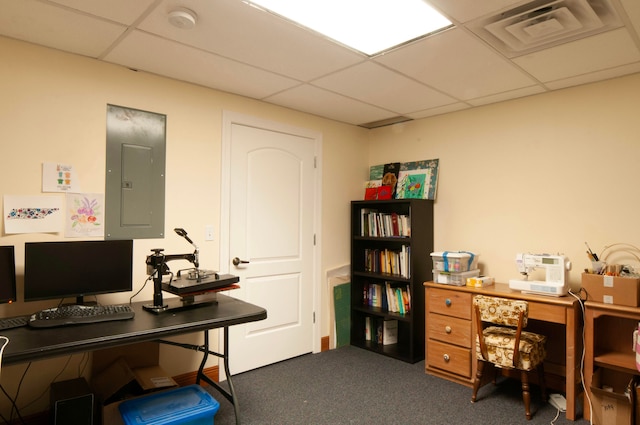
{"x":29,"y":344}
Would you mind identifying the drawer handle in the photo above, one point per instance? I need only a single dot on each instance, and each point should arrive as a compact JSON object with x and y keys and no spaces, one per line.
{"x":446,"y":358}
{"x":447,"y":329}
{"x":447,"y":302}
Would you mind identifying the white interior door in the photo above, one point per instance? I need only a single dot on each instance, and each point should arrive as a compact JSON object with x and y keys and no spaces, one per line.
{"x":271,"y":228}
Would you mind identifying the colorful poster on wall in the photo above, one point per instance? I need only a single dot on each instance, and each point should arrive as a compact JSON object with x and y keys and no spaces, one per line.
{"x":59,"y":178}
{"x":85,"y":215}
{"x":32,"y":214}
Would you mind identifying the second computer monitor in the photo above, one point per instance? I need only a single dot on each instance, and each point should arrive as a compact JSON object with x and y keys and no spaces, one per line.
{"x":56,"y":270}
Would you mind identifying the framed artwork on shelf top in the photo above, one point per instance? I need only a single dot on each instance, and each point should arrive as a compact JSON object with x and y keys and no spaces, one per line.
{"x":412,"y":180}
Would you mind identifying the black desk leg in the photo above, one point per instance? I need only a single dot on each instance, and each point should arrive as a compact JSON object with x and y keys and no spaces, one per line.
{"x":231,"y":394}
{"x":228,"y":394}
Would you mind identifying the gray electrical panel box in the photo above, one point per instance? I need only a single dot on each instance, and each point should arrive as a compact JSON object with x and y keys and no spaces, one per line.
{"x":135,"y":180}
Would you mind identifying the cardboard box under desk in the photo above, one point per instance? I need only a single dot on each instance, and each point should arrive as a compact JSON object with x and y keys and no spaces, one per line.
{"x":123,"y":372}
{"x":612,"y":289}
{"x":612,"y":397}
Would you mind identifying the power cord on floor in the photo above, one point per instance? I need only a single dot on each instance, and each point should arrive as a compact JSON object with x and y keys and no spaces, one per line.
{"x":586,"y":391}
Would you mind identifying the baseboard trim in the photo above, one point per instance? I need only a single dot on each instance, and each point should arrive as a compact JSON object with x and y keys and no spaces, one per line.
{"x":324,"y":343}
{"x":190,"y":378}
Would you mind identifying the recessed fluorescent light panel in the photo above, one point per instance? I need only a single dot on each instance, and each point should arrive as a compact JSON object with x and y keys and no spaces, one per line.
{"x":369,"y":26}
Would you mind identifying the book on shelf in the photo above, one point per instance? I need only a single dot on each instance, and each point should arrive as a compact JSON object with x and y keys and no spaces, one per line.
{"x":388,"y":261}
{"x":395,"y":224}
{"x":385,"y":192}
{"x":380,"y":331}
{"x":389,"y":332}
{"x":388,"y":297}
{"x":411,"y":186}
{"x":390,"y":173}
{"x":386,"y":225}
{"x":378,"y":334}
{"x":365,"y":229}
{"x":371,"y":189}
{"x":367,"y":328}
{"x":413,"y":179}
{"x":400,"y":301}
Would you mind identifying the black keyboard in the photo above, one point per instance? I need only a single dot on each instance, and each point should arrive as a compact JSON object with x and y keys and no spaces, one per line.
{"x":79,"y":314}
{"x":13,"y":322}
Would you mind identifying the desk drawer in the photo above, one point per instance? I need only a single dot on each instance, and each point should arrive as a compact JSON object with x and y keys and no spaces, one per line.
{"x":450,"y":303}
{"x":449,"y":357}
{"x":451,"y":330}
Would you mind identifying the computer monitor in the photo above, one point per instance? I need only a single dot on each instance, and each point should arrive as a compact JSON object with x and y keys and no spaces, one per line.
{"x":7,"y":274}
{"x":57,"y":270}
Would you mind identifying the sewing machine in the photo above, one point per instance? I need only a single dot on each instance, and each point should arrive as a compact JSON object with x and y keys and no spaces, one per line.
{"x":556,"y":279}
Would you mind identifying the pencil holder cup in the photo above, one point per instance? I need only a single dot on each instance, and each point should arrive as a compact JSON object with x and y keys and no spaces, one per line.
{"x":598,"y":266}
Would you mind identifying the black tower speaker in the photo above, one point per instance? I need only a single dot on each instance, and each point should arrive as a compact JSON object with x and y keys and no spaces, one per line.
{"x":71,"y":403}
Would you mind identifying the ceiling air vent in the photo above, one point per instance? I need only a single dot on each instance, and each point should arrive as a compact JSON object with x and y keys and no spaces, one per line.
{"x":385,"y":122}
{"x":542,"y":24}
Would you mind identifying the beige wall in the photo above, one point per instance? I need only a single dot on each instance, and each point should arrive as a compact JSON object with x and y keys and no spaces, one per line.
{"x":540,"y":174}
{"x":53,"y":109}
{"x":543,"y":173}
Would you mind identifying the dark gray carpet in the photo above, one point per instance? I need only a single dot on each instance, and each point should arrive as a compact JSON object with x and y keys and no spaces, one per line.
{"x":352,"y":386}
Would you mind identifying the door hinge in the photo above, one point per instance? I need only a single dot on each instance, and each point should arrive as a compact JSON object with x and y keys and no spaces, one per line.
{"x":314,"y":317}
{"x":315,"y":162}
{"x":314,"y":239}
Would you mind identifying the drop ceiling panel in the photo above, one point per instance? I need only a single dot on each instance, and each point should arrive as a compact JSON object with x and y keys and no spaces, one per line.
{"x":458,"y":65}
{"x":240,"y":49}
{"x":467,"y":10}
{"x":592,"y":77}
{"x":139,"y":51}
{"x":123,"y":11}
{"x":330,"y":105}
{"x":47,"y":25}
{"x":595,"y":53}
{"x":398,"y":93}
{"x":235,"y":30}
{"x":632,"y":9}
{"x":527,"y":91}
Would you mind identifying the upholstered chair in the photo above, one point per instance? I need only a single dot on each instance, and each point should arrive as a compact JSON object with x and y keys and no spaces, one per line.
{"x":502,"y":342}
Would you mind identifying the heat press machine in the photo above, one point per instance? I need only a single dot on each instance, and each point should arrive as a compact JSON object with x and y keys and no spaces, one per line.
{"x":556,"y":281}
{"x":194,"y":286}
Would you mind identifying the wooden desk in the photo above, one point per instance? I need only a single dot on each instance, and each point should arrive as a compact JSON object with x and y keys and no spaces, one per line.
{"x":608,"y":341}
{"x":450,"y":335}
{"x":29,"y":344}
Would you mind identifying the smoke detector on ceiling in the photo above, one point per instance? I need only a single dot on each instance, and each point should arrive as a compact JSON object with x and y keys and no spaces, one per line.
{"x":542,"y":24}
{"x":183,"y":18}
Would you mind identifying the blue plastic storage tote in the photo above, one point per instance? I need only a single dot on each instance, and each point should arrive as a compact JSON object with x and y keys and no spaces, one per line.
{"x":190,"y":405}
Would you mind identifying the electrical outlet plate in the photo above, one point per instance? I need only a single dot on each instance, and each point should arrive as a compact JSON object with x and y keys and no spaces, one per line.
{"x":208,"y":232}
{"x":558,"y":401}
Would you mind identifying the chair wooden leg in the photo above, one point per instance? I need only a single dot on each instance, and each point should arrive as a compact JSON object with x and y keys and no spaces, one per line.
{"x":526,"y":395}
{"x":476,"y":383}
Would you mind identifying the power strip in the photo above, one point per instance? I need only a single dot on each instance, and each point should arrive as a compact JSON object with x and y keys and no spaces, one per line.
{"x":558,"y":401}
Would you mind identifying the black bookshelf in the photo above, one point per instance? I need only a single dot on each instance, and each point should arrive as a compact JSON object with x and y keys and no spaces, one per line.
{"x":367,"y":274}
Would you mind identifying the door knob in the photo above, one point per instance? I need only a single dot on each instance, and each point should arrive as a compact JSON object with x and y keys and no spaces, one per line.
{"x":236,"y":261}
